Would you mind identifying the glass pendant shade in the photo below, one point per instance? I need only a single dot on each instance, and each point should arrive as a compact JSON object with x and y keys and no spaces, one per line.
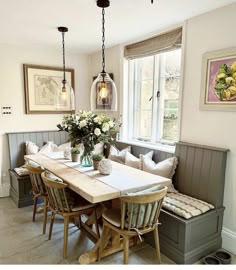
{"x":65,"y":100}
{"x":103,"y":93}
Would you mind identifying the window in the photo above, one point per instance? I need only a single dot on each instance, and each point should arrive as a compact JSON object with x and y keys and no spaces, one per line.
{"x":153,"y":101}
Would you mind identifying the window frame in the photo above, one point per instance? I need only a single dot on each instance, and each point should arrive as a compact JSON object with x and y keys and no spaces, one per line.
{"x":127,"y":123}
{"x":157,"y":103}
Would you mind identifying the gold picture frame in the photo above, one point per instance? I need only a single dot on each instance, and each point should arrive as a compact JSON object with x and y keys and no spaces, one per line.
{"x":42,"y":86}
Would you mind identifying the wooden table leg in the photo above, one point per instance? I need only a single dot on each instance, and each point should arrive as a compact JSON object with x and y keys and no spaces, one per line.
{"x":91,"y":255}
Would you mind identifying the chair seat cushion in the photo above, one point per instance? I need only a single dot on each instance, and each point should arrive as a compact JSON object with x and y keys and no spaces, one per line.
{"x":113,"y":216}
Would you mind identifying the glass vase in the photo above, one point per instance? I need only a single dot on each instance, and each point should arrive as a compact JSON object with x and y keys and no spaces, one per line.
{"x":86,"y":159}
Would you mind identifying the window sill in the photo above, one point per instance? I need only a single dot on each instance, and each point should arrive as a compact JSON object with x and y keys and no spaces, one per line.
{"x":156,"y":146}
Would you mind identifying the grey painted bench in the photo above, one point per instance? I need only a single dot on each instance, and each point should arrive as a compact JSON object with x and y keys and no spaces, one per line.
{"x":21,"y":189}
{"x":200,"y":174}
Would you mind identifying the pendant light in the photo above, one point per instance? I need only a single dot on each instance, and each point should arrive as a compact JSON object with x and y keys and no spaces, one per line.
{"x":103,"y":90}
{"x":66,"y":92}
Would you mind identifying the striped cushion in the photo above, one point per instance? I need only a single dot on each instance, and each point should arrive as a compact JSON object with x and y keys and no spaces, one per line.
{"x":185,"y":206}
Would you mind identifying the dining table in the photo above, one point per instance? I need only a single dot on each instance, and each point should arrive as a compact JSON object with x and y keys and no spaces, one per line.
{"x":98,"y":188}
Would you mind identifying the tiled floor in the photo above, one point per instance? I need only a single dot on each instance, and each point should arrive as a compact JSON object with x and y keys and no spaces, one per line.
{"x":22,"y":241}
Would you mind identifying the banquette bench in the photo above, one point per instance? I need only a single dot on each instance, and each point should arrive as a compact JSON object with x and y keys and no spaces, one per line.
{"x":200,"y":174}
{"x":21,"y":189}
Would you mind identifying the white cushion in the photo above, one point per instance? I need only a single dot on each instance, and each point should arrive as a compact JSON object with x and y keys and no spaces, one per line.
{"x":165,"y":168}
{"x":132,"y":161}
{"x":31,"y":148}
{"x":118,"y":156}
{"x":185,"y":206}
{"x":61,"y":147}
{"x":46,"y":148}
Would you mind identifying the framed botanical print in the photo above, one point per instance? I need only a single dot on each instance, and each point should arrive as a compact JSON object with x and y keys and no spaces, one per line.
{"x":43,"y":94}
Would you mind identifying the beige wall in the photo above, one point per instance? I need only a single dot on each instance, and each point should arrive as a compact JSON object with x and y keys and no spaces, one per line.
{"x":205,"y":33}
{"x":12,"y":93}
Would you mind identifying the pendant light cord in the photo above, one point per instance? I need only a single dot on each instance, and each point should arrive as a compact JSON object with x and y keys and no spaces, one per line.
{"x":64,"y":62}
{"x":103,"y":41}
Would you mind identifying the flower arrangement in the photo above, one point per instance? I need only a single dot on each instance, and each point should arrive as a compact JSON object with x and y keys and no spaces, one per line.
{"x":88,"y":129}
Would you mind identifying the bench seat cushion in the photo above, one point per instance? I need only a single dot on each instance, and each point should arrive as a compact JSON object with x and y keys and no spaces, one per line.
{"x":185,"y":206}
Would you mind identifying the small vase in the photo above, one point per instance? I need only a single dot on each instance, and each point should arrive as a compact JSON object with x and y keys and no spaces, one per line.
{"x":86,"y":160}
{"x":95,"y":164}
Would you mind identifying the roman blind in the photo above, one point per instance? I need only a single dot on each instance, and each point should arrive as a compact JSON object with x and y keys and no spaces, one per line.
{"x":161,"y":43}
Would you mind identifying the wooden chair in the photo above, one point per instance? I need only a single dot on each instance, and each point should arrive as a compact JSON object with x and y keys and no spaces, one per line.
{"x":59,"y":204}
{"x":138,"y":215}
{"x":39,"y":191}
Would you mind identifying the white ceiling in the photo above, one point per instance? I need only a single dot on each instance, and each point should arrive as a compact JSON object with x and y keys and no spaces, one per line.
{"x":35,"y":22}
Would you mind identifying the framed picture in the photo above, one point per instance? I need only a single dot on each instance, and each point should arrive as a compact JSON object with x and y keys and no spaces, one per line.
{"x":103,"y":102}
{"x":43,"y":89}
{"x":218,"y":87}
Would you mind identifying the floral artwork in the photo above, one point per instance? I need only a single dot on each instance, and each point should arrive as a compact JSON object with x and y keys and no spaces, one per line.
{"x":88,"y":129}
{"x":222,"y":80}
{"x":218,"y":86}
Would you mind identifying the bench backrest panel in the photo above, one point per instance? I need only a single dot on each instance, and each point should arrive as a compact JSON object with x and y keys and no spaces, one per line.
{"x":17,"y":141}
{"x":200,"y":172}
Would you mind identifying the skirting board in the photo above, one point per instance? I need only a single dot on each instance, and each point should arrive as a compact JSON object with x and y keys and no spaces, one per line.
{"x":4,"y":190}
{"x":229,"y":240}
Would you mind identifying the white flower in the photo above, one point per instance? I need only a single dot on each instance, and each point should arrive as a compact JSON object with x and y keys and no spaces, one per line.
{"x":105,"y":127}
{"x":97,"y":131}
{"x":96,"y":119}
{"x":82,"y":123}
{"x":111,"y":124}
{"x":84,"y":114}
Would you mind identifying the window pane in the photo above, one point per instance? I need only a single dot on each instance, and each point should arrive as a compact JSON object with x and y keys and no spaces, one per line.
{"x":169,"y":86}
{"x":154,"y":97}
{"x":143,"y":98}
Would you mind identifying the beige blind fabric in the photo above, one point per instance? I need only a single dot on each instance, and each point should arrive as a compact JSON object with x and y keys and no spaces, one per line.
{"x":162,"y":43}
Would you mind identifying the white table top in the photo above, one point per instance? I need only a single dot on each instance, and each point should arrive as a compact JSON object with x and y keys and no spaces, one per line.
{"x":93,"y":186}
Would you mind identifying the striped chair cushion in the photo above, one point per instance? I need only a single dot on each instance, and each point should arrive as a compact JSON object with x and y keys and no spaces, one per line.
{"x":185,"y":206}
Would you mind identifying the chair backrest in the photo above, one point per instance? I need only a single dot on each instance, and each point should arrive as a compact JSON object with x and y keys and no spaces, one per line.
{"x":56,"y":194}
{"x":141,"y":211}
{"x":38,"y":186}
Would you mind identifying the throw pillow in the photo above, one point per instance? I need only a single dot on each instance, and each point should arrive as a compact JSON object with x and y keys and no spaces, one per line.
{"x":31,"y":148}
{"x":46,"y":148}
{"x":117,"y":155}
{"x":165,"y":168}
{"x":132,"y":161}
{"x":61,"y":147}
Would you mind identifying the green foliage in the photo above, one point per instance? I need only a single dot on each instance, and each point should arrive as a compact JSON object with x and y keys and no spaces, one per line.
{"x":75,"y":150}
{"x":97,"y":157}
